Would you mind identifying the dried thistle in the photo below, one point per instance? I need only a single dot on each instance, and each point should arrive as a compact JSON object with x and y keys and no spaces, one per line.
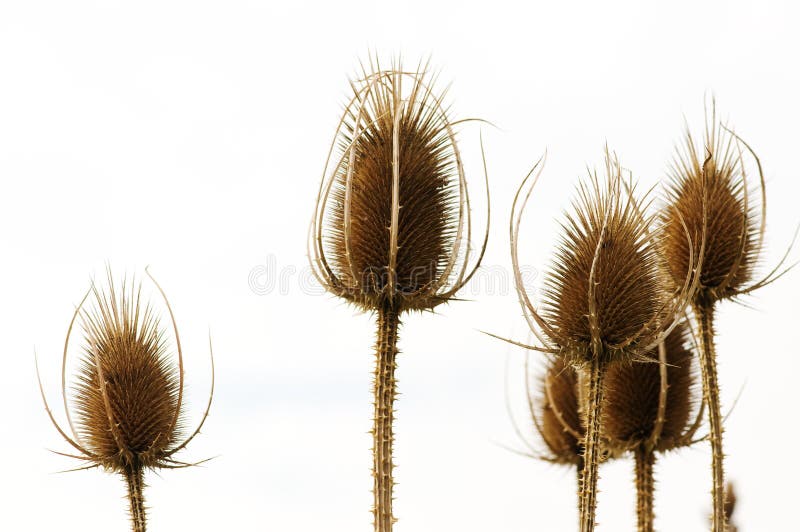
{"x":647,"y":409}
{"x":709,"y":218}
{"x":603,"y":300}
{"x":128,"y":412}
{"x":392,"y":225}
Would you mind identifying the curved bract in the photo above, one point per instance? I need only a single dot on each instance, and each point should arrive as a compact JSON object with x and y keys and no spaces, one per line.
{"x":128,"y":412}
{"x":603,"y":295}
{"x":392,"y":221}
{"x":651,"y":403}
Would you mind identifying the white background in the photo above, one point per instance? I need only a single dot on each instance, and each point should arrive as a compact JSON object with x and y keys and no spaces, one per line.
{"x":190,"y":136}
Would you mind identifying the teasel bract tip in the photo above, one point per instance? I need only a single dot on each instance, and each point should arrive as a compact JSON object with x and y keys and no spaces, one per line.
{"x":127,"y":412}
{"x":392,"y":226}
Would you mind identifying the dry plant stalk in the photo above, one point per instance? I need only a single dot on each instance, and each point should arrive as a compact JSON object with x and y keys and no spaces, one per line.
{"x":128,"y":411}
{"x":392,"y":227}
{"x":603,"y":300}
{"x":707,"y":199}
{"x":647,"y":410}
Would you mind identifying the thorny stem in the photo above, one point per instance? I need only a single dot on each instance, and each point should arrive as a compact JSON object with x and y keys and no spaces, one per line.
{"x":134,"y":478}
{"x":644,"y":488}
{"x":708,"y":363}
{"x":591,"y":455}
{"x":382,"y":432}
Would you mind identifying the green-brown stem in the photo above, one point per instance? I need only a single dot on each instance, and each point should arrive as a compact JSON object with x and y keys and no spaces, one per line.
{"x":708,"y":364}
{"x":134,"y":478}
{"x":591,"y":454}
{"x":644,"y":488}
{"x":382,"y":432}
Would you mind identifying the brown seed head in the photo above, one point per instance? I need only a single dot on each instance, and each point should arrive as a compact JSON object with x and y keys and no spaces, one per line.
{"x":707,"y":198}
{"x":392,"y":220}
{"x":126,"y":394}
{"x":128,"y":391}
{"x":633,"y":390}
{"x":559,"y":421}
{"x":603,"y":296}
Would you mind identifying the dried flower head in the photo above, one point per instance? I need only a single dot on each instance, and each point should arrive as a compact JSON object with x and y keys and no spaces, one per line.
{"x":128,"y":413}
{"x":392,"y":221}
{"x":559,"y":422}
{"x":650,"y":403}
{"x":603,"y":296}
{"x":709,"y":217}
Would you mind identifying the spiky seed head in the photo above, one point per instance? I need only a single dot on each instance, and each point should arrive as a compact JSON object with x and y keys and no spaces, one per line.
{"x":706,"y":196}
{"x":603,"y":296}
{"x":127,"y":388}
{"x":560,"y":420}
{"x":631,"y":399}
{"x":390,"y":221}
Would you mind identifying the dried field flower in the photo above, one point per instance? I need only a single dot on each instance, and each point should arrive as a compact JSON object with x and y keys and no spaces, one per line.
{"x":603,"y":300}
{"x":647,"y":410}
{"x":391,"y":231}
{"x":707,"y":199}
{"x":128,"y":412}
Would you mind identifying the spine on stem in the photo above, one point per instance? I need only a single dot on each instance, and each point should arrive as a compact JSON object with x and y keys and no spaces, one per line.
{"x":383,"y":432}
{"x":644,"y":488}
{"x":134,"y":478}
{"x":708,"y":365}
{"x":591,"y":456}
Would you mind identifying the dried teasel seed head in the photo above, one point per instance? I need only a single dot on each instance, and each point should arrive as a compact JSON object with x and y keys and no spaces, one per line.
{"x":632,"y":400}
{"x":559,"y":422}
{"x":128,"y":412}
{"x":603,"y":297}
{"x":126,"y":395}
{"x":392,"y":222}
{"x":707,"y":201}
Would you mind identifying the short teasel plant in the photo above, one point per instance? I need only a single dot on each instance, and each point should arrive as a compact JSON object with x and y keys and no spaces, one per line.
{"x":648,"y":410}
{"x":127,"y":412}
{"x":707,"y":199}
{"x":603,"y":301}
{"x":391,"y":231}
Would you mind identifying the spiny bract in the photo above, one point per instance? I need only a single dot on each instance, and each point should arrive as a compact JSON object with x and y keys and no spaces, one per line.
{"x":632,"y":393}
{"x":392,"y":218}
{"x":559,"y":422}
{"x":706,"y":198}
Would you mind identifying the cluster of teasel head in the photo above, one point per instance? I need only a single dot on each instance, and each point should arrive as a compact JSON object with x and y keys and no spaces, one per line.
{"x":613,"y":313}
{"x":127,"y":412}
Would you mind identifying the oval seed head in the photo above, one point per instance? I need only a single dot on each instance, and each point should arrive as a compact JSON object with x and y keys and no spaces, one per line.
{"x":631,"y":399}
{"x":390,"y":220}
{"x":127,"y":389}
{"x":603,"y":295}
{"x":707,"y":196}
{"x":559,"y":421}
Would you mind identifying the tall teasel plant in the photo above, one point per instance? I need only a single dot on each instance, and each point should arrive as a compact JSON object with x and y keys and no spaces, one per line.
{"x":127,"y":413}
{"x":603,"y":300}
{"x":707,"y":194}
{"x":392,"y":226}
{"x":648,"y":410}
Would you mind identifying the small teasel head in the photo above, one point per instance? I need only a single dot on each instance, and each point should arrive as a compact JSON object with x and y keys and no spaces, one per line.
{"x":604,"y":294}
{"x":127,"y":411}
{"x":559,"y":420}
{"x":650,"y":403}
{"x":711,"y":218}
{"x":392,"y":222}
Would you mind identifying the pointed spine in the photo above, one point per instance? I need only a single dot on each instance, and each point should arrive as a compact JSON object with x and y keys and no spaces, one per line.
{"x":383,"y":432}
{"x":591,"y":456}
{"x":134,"y":478}
{"x":708,"y":364}
{"x":645,"y":487}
